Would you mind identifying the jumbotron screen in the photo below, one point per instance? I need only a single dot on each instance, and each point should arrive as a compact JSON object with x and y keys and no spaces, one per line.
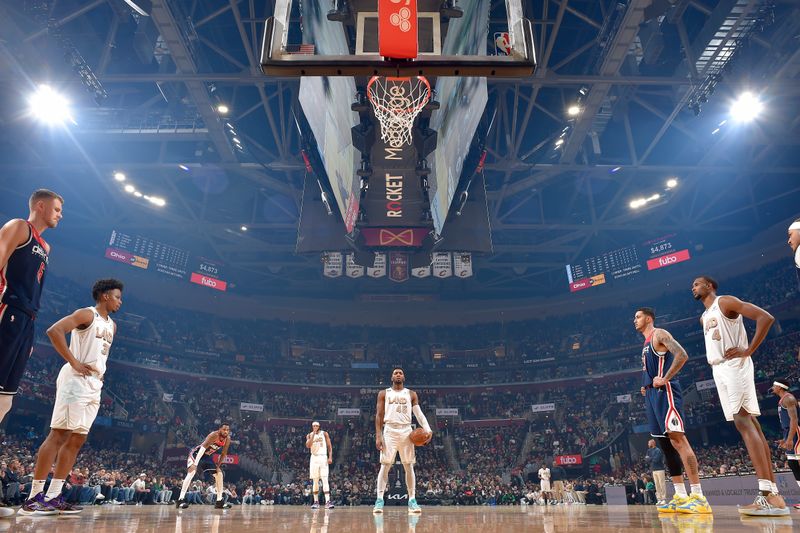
{"x":653,"y":254}
{"x":150,"y":254}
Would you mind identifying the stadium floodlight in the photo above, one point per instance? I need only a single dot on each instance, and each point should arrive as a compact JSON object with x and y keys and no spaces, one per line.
{"x":119,"y":176}
{"x":222,"y":109}
{"x":639,"y":202}
{"x":244,"y":228}
{"x":157,"y":200}
{"x":137,"y":194}
{"x":49,"y":106}
{"x":559,"y":142}
{"x":130,"y":188}
{"x":746,"y":108}
{"x":573,"y":110}
{"x":672,"y":183}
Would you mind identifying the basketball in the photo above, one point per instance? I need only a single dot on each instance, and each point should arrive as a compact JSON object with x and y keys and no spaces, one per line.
{"x":419,"y":437}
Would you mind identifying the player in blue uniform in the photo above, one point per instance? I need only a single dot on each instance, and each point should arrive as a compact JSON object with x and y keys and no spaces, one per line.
{"x":24,"y":257}
{"x":787,"y":414}
{"x":200,"y":457}
{"x":662,"y":359}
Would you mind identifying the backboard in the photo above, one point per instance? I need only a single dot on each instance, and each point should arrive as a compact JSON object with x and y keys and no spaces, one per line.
{"x":296,"y":45}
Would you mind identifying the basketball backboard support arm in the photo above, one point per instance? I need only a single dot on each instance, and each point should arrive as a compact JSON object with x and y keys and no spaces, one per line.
{"x":277,"y":60}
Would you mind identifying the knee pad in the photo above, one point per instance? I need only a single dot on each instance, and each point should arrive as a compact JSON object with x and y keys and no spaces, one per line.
{"x":671,"y":456}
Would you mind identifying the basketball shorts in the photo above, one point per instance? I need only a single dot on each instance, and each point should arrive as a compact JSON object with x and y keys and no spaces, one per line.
{"x":794,"y":453}
{"x":77,"y":401}
{"x":736,"y":387}
{"x":544,"y":484}
{"x":318,"y":467}
{"x":396,"y":440}
{"x":664,"y":409}
{"x":205,"y":462}
{"x":16,"y":346}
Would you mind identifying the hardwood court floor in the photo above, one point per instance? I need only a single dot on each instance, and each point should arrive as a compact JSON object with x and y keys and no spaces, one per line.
{"x":594,"y":519}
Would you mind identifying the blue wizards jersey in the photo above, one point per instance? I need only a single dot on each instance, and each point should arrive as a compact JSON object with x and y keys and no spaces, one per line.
{"x":655,"y":364}
{"x":22,"y":279}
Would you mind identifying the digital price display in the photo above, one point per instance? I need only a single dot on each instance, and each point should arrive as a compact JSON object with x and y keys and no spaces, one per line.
{"x":150,"y":254}
{"x":623,"y":262}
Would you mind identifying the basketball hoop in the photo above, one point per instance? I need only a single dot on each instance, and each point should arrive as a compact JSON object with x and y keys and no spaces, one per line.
{"x":397,"y":102}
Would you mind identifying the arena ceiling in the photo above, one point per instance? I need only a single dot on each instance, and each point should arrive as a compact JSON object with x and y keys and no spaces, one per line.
{"x":639,"y":68}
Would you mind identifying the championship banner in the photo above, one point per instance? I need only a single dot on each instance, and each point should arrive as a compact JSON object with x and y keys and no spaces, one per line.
{"x":543,"y":407}
{"x":347,"y":411}
{"x":447,"y":411}
{"x":257,"y":407}
{"x":353,"y":270}
{"x":421,"y":272}
{"x":442,"y":265}
{"x":167,"y":397}
{"x":332,"y":264}
{"x":398,"y":267}
{"x":623,"y":398}
{"x":569,"y":460}
{"x":462,"y":264}
{"x":706,"y":385}
{"x":378,"y":268}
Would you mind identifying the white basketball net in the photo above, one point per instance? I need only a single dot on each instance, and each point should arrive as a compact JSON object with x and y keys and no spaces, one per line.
{"x":397,"y":102}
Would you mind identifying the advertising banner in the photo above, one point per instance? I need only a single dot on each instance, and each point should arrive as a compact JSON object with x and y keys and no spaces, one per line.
{"x":543,"y":407}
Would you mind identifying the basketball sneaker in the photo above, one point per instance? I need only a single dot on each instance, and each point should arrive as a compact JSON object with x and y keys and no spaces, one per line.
{"x":64,"y":507}
{"x":413,"y":506}
{"x":378,"y":509}
{"x":672,"y":505}
{"x":695,"y":504}
{"x":761,"y":507}
{"x":222,"y":505}
{"x":181,"y":504}
{"x":329,"y":505}
{"x":37,"y":506}
{"x":315,"y":505}
{"x":796,"y":506}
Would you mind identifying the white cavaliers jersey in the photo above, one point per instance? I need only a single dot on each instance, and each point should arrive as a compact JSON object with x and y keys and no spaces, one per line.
{"x":722,"y":333}
{"x":91,"y":345}
{"x":544,"y":473}
{"x":319,"y":444}
{"x":397,"y":407}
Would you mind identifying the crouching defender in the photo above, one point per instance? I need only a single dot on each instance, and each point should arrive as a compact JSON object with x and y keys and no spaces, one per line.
{"x":201,"y":456}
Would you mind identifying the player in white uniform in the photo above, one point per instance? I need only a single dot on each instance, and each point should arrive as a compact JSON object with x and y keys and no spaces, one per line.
{"x":392,"y":430}
{"x":794,"y":241}
{"x":78,"y":390}
{"x":730,"y":356}
{"x":319,"y":443}
{"x":544,"y":483}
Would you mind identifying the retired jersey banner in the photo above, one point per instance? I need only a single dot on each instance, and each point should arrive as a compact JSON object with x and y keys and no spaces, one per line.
{"x":623,"y":398}
{"x":442,"y":265}
{"x":706,"y":385}
{"x":347,"y":411}
{"x":332,"y":264}
{"x":257,"y":407}
{"x":462,"y":264}
{"x":353,"y":270}
{"x":447,"y":411}
{"x":421,"y":272}
{"x":378,"y":268}
{"x":543,"y":407}
{"x":398,"y":266}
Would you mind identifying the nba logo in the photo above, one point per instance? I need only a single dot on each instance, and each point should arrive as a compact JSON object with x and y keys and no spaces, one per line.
{"x":502,"y":43}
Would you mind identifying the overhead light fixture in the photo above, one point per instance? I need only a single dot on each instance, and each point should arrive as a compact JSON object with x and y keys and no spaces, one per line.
{"x":559,"y":142}
{"x":573,"y":110}
{"x":156,"y":200}
{"x":130,"y":188}
{"x":49,"y":106}
{"x":746,"y":108}
{"x":137,"y":194}
{"x":243,"y":228}
{"x":672,"y":183}
{"x":236,"y":140}
{"x":639,"y":202}
{"x":222,"y":109}
{"x":184,"y":168}
{"x":119,"y":176}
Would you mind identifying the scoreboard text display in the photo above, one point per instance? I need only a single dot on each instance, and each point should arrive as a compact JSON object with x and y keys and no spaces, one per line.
{"x":150,"y":254}
{"x":617,"y":264}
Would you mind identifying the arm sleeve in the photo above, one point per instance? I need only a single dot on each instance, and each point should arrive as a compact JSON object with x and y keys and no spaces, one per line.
{"x":421,"y":418}
{"x":200,"y":451}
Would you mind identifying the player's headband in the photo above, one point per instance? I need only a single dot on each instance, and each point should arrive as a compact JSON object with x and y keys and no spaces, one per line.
{"x":314,"y":423}
{"x":795,"y":225}
{"x":781,"y":385}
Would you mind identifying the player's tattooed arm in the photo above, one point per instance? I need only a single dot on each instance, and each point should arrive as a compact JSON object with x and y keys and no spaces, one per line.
{"x":665,"y":339}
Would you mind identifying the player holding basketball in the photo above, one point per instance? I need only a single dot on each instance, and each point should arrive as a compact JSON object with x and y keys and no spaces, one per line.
{"x":200,"y":456}
{"x":319,"y":443}
{"x":662,"y":359}
{"x":24,"y":256}
{"x":392,"y":430}
{"x":78,"y":393}
{"x":730,"y":357}
{"x":787,"y":414}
